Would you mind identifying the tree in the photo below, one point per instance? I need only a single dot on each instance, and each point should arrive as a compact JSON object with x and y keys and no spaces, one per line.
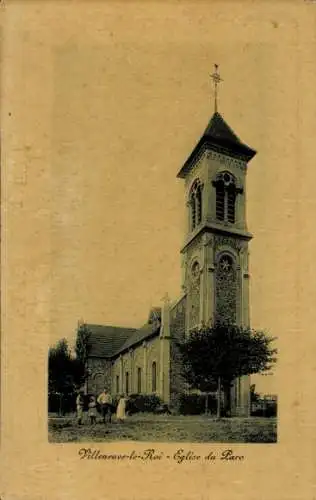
{"x":82,"y":349}
{"x":66,"y":373}
{"x":60,"y":377}
{"x":61,"y":371}
{"x":222,"y":352}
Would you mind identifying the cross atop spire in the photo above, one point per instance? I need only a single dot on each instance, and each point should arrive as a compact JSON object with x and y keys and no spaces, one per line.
{"x":216,"y":79}
{"x":166,"y":299}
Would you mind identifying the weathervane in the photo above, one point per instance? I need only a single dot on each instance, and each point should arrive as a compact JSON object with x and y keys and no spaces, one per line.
{"x":216,"y":79}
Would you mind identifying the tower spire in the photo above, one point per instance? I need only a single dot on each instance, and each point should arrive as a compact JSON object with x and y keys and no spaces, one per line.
{"x":216,"y":79}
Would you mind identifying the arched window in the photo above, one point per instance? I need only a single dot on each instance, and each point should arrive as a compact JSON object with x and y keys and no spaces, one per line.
{"x":154,"y":377}
{"x":193,"y":211}
{"x":226,"y":290}
{"x":139,"y":380}
{"x":195,"y":202}
{"x":226,"y":192}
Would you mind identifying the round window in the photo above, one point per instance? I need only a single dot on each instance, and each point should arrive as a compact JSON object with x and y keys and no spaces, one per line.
{"x":226,"y":263}
{"x":195,"y":270}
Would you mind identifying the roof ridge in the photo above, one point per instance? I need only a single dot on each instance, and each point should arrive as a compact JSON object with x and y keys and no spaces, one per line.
{"x":133,"y":340}
{"x":113,"y":326}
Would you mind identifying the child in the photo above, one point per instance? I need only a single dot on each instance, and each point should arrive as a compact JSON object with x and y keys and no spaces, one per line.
{"x":121,"y":408}
{"x":92,"y":412}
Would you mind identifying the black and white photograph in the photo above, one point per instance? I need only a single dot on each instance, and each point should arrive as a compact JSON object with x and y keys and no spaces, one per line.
{"x":163,"y":328}
{"x":158,"y":250}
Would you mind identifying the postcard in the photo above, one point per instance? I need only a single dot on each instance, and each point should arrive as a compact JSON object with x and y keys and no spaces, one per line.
{"x":157,"y":246}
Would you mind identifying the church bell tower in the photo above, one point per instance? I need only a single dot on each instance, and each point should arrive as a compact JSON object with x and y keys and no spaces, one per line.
{"x":215,"y":251}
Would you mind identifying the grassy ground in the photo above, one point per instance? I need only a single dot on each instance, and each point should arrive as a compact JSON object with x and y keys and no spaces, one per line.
{"x":161,"y":428}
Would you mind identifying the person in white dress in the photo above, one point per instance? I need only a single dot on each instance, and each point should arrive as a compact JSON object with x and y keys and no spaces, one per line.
{"x":80,"y":406}
{"x":121,"y":408}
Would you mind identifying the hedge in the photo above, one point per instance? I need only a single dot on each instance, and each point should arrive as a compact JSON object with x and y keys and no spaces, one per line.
{"x":194,"y":404}
{"x":143,"y":403}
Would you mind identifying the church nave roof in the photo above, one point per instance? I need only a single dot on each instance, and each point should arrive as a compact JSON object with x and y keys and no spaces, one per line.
{"x":110,"y":341}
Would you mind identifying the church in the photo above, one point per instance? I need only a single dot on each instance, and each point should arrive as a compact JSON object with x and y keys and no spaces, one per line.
{"x":215,"y":283}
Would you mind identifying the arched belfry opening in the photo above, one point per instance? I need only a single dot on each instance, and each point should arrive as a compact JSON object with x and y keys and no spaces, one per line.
{"x":195,"y":204}
{"x":226,"y":193}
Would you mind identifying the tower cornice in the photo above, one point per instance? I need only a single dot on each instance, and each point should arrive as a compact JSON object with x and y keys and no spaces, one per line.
{"x":214,"y":228}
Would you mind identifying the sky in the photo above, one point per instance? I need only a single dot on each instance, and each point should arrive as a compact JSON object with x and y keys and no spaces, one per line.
{"x":121,"y":96}
{"x":127,"y":111}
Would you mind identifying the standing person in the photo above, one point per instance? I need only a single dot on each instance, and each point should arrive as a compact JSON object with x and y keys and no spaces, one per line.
{"x":121,"y":408}
{"x":105,"y":401}
{"x":92,"y":411}
{"x":79,"y":405}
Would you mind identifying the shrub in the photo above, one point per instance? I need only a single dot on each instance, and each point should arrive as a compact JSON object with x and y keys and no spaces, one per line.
{"x":143,"y":403}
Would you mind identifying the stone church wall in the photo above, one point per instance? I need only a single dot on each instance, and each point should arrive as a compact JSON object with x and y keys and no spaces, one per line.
{"x":153,"y":355}
{"x":100,"y":375}
{"x":141,"y":357}
{"x":177,"y":329}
